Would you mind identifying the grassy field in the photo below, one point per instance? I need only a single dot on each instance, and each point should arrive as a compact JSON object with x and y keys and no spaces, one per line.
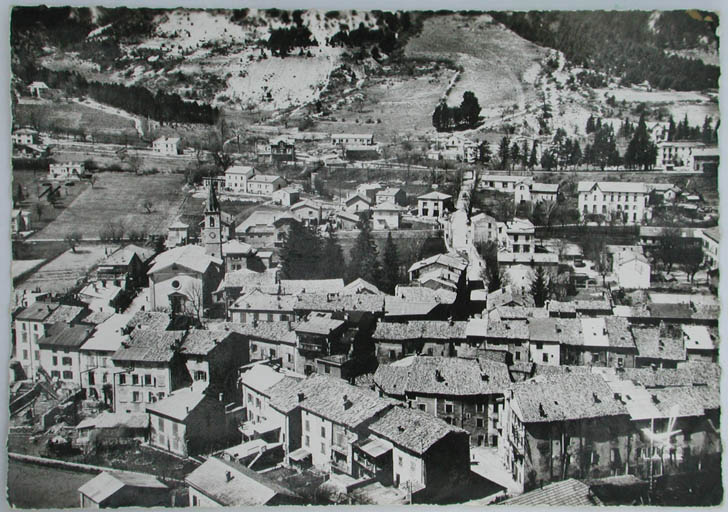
{"x":70,"y":116}
{"x":32,"y":486}
{"x":119,"y":197}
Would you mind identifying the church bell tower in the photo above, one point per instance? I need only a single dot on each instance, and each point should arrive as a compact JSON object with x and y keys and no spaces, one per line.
{"x":212,"y":230}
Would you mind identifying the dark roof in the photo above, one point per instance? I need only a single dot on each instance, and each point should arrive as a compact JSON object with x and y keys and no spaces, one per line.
{"x":667,"y":377}
{"x":449,"y":376}
{"x":150,"y":345}
{"x":64,"y":313}
{"x":201,"y":342}
{"x":284,"y":393}
{"x":326,"y":302}
{"x":566,"y":396}
{"x":149,"y":320}
{"x":652,"y":344}
{"x":37,"y":311}
{"x":677,"y":310}
{"x":60,"y":335}
{"x":278,"y":332}
{"x":514,"y":329}
{"x":106,"y":484}
{"x":420,"y":329}
{"x":567,"y":493}
{"x":618,"y":332}
{"x":412,"y":429}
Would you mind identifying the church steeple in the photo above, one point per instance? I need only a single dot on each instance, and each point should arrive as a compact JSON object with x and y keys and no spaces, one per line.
{"x":212,"y":204}
{"x":212,"y":231}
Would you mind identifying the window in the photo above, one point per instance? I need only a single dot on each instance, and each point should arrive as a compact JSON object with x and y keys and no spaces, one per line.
{"x":392,"y":354}
{"x":307,"y":441}
{"x":147,"y":380}
{"x":175,"y":430}
{"x":323,"y":448}
{"x":25,"y":354}
{"x":91,"y":378}
{"x":479,"y":422}
{"x":539,"y":345}
{"x":399,"y":460}
{"x":308,"y":426}
{"x":422,"y":407}
{"x":518,"y":356}
{"x":56,"y":374}
{"x":134,"y":379}
{"x":67,"y":375}
{"x":323,"y":432}
{"x":327,"y":369}
{"x":136,"y":396}
{"x":448,"y":408}
{"x":122,"y":379}
{"x":257,"y":403}
{"x":55,"y":360}
{"x":545,"y":357}
{"x":66,"y":361}
{"x":253,"y":347}
{"x":200,"y":375}
{"x":290,"y":359}
{"x":480,"y":408}
{"x":272,"y":353}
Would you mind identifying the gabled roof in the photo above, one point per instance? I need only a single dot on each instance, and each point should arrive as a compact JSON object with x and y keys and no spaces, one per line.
{"x":261,"y":377}
{"x":712,"y":233}
{"x":389,"y":191}
{"x":357,"y":197}
{"x":248,"y":280}
{"x":412,"y":429}
{"x":513,"y":329}
{"x":108,"y":335}
{"x":256,"y":300}
{"x":237,"y":247}
{"x":449,"y":376}
{"x":37,"y":312}
{"x":348,"y":216}
{"x":157,"y":320}
{"x":402,"y":307}
{"x":565,"y":396}
{"x":64,"y":314}
{"x":296,"y":286}
{"x":435,"y":196}
{"x":265,"y":178}
{"x":651,"y":344}
{"x":420,"y":329}
{"x":414,"y":293}
{"x":567,"y":493}
{"x":386,"y":207}
{"x":358,"y":286}
{"x":369,"y":302}
{"x":193,"y":257}
{"x":244,"y":170}
{"x":319,"y":325}
{"x":613,"y":186}
{"x":306,"y":203}
{"x":200,"y":342}
{"x":106,"y":484}
{"x":274,"y":332}
{"x":66,"y":337}
{"x":233,"y":485}
{"x":545,"y":188}
{"x":446,"y":260}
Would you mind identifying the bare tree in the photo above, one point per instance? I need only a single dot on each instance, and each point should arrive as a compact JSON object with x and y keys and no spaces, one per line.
{"x":73,"y":239}
{"x":196,"y":303}
{"x":148,"y":205}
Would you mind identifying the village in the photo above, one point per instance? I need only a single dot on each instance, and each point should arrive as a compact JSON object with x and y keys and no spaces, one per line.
{"x":300,"y":317}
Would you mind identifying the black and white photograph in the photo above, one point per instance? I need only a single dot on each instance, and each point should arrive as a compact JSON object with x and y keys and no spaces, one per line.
{"x":272,"y":256}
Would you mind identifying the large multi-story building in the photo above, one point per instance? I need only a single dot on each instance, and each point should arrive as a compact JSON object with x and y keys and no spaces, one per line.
{"x":614,"y":199}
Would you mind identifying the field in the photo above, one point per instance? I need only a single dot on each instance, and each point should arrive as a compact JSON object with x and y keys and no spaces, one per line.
{"x":120,"y":197}
{"x":498,"y":66}
{"x":695,"y":104}
{"x":73,"y":117}
{"x":63,"y":272}
{"x":33,"y":486}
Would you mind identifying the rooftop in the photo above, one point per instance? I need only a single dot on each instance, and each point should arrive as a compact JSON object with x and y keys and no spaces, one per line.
{"x":108,"y":335}
{"x":180,"y":403}
{"x":652,"y":344}
{"x":62,"y":336}
{"x":278,"y":332}
{"x":315,"y":324}
{"x":244,"y":170}
{"x":446,"y":260}
{"x":613,"y":186}
{"x":237,"y":247}
{"x":106,"y":484}
{"x":200,"y":342}
{"x":450,"y":376}
{"x":256,"y":300}
{"x":566,"y":493}
{"x":261,"y":377}
{"x":157,"y":320}
{"x":264,"y":178}
{"x":420,"y":329}
{"x":149,"y":345}
{"x":412,"y":429}
{"x":193,"y":257}
{"x":296,"y":286}
{"x":359,"y":286}
{"x":326,"y":302}
{"x":37,"y":312}
{"x":435,"y":196}
{"x":64,"y":314}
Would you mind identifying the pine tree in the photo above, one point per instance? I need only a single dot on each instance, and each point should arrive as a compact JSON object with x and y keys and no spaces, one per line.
{"x":671,"y":130}
{"x":300,"y":253}
{"x":364,"y":261}
{"x":470,"y":109}
{"x":540,"y":288}
{"x":515,"y":152}
{"x":707,"y":134}
{"x":533,"y":160}
{"x":391,"y":272}
{"x":524,"y":154}
{"x":331,"y":262}
{"x":590,"y":124}
{"x":504,"y":151}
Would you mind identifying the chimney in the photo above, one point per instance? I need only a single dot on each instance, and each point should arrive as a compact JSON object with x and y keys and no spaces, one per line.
{"x":541,"y":410}
{"x":220,"y":397}
{"x":596,"y":398}
{"x":438,"y":376}
{"x":228,"y":476}
{"x":400,"y":428}
{"x":301,"y":397}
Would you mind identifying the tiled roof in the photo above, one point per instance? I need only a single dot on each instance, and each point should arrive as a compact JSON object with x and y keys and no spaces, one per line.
{"x":296,"y":286}
{"x":149,"y":320}
{"x":412,"y":429}
{"x":567,"y":493}
{"x":670,"y":311}
{"x":264,"y":178}
{"x":201,"y":342}
{"x":513,"y":329}
{"x":278,"y":332}
{"x":420,"y":329}
{"x":399,"y":307}
{"x":566,"y":396}
{"x":245,"y":170}
{"x":284,"y":394}
{"x":357,"y":197}
{"x":261,"y":377}
{"x":713,"y":233}
{"x":256,"y":300}
{"x":651,"y":344}
{"x":348,"y":216}
{"x":248,"y":280}
{"x":108,"y":335}
{"x":558,"y":306}
{"x":425,"y":294}
{"x":506,"y":296}
{"x":450,"y":376}
{"x":319,"y":325}
{"x":325,"y":302}
{"x":38,"y":311}
{"x":150,"y":345}
{"x":246,"y":488}
{"x":543,"y":330}
{"x":237,"y":247}
{"x":446,"y":260}
{"x":64,"y":314}
{"x":545,"y":188}
{"x":708,"y":372}
{"x":619,"y":333}
{"x":66,"y":337}
{"x":193,"y":257}
{"x":343,"y":403}
{"x":97,"y":317}
{"x":519,"y":312}
{"x":435,"y":195}
{"x":662,"y":377}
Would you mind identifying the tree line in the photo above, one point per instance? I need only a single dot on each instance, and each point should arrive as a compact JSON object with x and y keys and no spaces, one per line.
{"x":463,"y":117}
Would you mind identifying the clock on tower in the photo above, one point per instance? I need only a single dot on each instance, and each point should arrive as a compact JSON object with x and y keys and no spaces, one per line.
{"x":212,"y":231}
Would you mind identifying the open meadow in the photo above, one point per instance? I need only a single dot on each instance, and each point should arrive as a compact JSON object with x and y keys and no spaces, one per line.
{"x":121,"y":198}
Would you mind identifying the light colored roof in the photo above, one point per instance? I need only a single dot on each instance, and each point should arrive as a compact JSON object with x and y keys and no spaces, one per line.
{"x":261,"y":377}
{"x":296,"y":286}
{"x":348,"y":216}
{"x":149,"y":320}
{"x":193,"y":257}
{"x":108,"y":335}
{"x":435,"y":195}
{"x":178,"y":224}
{"x":248,"y":280}
{"x":352,"y":135}
{"x":389,"y":191}
{"x":245,"y":488}
{"x":167,"y":139}
{"x":386,"y":207}
{"x":652,"y":344}
{"x":96,"y":290}
{"x":357,"y":197}
{"x":306,"y":203}
{"x":149,"y":345}
{"x":698,"y":337}
{"x":713,"y":233}
{"x":425,"y":294}
{"x":265,"y":178}
{"x":545,"y":188}
{"x":180,"y":403}
{"x":369,"y":302}
{"x":64,"y":313}
{"x":235,"y":246}
{"x":359,"y":285}
{"x":614,"y":186}
{"x":398,"y":307}
{"x":106,"y":484}
{"x":519,"y":225}
{"x":319,"y":325}
{"x":245,"y":170}
{"x":108,"y":419}
{"x":567,"y":493}
{"x":256,"y":300}
{"x":412,"y":429}
{"x":447,"y":260}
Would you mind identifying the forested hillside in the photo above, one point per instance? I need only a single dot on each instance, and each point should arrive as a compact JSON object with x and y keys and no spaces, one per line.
{"x":633,"y":45}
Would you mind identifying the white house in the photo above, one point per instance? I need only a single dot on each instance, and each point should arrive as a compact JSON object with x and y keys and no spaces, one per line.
{"x":711,"y":247}
{"x":183,"y":279}
{"x":631,"y":269}
{"x":454,"y":147}
{"x":500,"y":182}
{"x":237,"y":176}
{"x":24,"y":136}
{"x":265,"y":184}
{"x":307,"y":212}
{"x":353,"y":139}
{"x":386,"y":216}
{"x":178,"y":233}
{"x":358,"y":203}
{"x":287,"y":196}
{"x":166,"y":146}
{"x":37,"y":88}
{"x":432,"y":204}
{"x":676,"y":154}
{"x":66,"y":170}
{"x":609,"y":198}
{"x":544,"y":192}
{"x":520,"y":234}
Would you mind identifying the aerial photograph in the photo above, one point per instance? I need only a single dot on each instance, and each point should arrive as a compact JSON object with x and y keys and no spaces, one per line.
{"x":266,"y":256}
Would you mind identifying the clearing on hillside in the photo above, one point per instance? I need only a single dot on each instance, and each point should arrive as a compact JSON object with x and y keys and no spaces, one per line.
{"x":120,"y":197}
